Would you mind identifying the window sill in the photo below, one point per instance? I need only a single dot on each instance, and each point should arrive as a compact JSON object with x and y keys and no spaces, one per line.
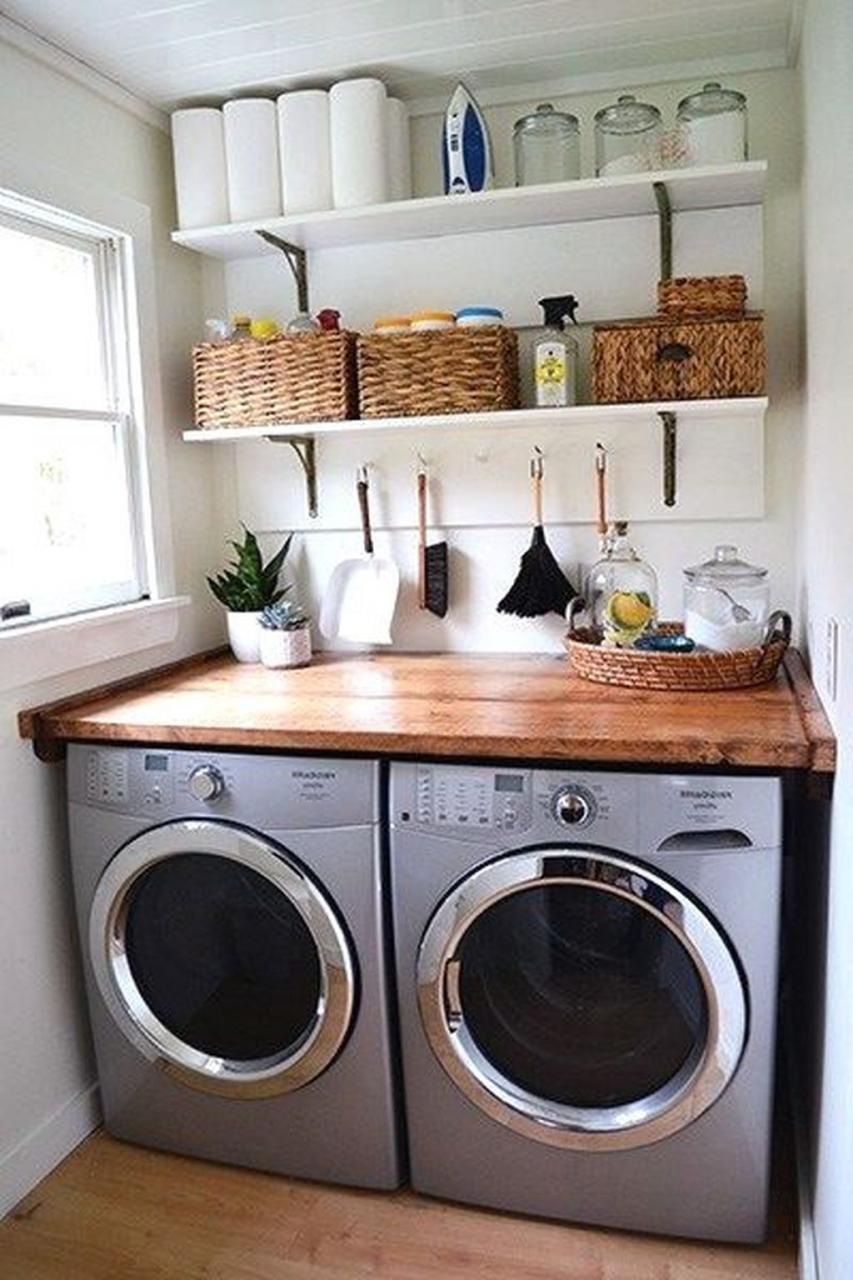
{"x":43,"y":649}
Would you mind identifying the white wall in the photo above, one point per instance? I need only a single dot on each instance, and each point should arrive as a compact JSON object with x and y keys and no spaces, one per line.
{"x":480,"y":482}
{"x":827,"y":547}
{"x":52,"y":127}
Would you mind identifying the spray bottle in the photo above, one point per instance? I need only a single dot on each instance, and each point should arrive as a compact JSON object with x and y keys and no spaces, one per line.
{"x":555,"y":354}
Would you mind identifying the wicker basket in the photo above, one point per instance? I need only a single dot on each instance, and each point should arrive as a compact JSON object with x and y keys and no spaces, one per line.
{"x":680,"y":672}
{"x":451,"y":371}
{"x":689,"y":297}
{"x":659,"y":359}
{"x":291,"y":378}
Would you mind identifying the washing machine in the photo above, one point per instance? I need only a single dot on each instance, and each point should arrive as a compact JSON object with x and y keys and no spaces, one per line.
{"x":230,"y":912}
{"x":586,"y":970}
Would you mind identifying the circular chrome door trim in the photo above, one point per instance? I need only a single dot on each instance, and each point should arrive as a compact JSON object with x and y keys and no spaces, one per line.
{"x":695,"y":1087}
{"x":194,"y":1067}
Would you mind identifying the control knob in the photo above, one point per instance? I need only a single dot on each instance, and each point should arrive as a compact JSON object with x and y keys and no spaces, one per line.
{"x":572,"y":807}
{"x":206,"y":783}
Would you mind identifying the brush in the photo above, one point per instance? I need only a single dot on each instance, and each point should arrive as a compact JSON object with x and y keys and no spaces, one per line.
{"x":432,"y":559}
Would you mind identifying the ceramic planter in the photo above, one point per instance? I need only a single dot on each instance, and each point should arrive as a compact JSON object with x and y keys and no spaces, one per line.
{"x":244,"y":636}
{"x":285,"y":648}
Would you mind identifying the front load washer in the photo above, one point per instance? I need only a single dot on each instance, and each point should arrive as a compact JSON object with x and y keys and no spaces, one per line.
{"x":231,"y":919}
{"x":586,"y":970}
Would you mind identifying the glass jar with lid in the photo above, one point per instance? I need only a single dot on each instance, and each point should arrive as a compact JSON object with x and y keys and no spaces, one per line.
{"x":714,"y":125}
{"x":726,"y":602}
{"x":627,"y":137}
{"x":622,"y":591}
{"x":547,"y":147}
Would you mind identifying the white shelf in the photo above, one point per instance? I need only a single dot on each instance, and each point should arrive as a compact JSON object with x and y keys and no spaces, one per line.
{"x":589,"y":199}
{"x":745,"y":407}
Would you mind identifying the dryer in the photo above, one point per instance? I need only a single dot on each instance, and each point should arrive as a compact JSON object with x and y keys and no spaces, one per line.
{"x":231,"y":920}
{"x":586,"y":969}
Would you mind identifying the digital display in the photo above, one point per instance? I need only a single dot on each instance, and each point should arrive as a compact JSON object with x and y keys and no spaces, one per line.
{"x":509,"y":782}
{"x":156,"y":764}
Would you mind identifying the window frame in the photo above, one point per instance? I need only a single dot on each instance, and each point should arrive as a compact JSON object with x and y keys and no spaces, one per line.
{"x":111,"y":252}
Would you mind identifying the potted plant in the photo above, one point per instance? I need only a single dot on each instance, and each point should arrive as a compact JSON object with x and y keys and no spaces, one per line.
{"x":285,"y":635}
{"x":246,"y":587}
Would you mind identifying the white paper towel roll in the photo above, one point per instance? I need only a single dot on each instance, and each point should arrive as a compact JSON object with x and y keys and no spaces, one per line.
{"x":251,"y":156}
{"x":198,"y":146}
{"x":359,"y":150}
{"x":399,"y":150}
{"x":304,"y":148}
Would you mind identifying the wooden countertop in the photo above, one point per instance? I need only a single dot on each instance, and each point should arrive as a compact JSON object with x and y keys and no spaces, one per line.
{"x":446,"y":705}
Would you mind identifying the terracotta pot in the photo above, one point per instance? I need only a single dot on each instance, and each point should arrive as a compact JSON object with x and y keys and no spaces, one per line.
{"x":285,"y":648}
{"x":244,"y":636}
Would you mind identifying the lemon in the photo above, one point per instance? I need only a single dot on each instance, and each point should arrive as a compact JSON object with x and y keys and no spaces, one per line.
{"x":629,"y":611}
{"x":264,"y":329}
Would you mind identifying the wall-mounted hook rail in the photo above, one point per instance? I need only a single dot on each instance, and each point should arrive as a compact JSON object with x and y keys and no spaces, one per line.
{"x":665,"y":228}
{"x":305,"y":448}
{"x":670,"y":446}
{"x":297,"y":260}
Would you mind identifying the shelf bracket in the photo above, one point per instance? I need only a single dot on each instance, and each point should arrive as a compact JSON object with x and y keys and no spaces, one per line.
{"x":305,"y":449}
{"x":670,"y":443}
{"x":665,"y":228}
{"x":297,"y":260}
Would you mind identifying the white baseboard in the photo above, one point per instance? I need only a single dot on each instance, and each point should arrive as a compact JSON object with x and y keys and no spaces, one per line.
{"x":31,"y":1160}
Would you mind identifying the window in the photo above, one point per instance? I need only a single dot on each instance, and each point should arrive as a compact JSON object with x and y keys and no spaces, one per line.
{"x":70,"y":530}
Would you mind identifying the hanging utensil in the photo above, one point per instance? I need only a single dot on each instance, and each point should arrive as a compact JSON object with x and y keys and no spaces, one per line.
{"x":540,"y":586}
{"x":601,"y":490}
{"x":432,"y":560}
{"x":362,"y":593}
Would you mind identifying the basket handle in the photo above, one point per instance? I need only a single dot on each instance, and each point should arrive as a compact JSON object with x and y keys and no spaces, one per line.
{"x":577,"y":605}
{"x":676,"y":352}
{"x":778,"y":628}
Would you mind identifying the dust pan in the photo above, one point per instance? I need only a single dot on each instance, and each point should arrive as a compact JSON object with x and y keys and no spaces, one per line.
{"x":540,"y":586}
{"x":361,"y":597}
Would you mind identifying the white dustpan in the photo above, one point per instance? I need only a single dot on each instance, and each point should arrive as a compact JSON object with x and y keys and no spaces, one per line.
{"x":361,"y":596}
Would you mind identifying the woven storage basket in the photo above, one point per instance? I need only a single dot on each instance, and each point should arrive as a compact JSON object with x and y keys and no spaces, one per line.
{"x":680,"y":672}
{"x":708,"y":296}
{"x":292,"y":378}
{"x":450,"y":371}
{"x":659,"y":359}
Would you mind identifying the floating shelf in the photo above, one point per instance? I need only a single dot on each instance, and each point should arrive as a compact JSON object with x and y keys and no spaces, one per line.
{"x":746,"y":407}
{"x":588,"y":199}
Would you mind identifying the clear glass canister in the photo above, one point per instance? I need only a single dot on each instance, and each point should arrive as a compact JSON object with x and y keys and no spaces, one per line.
{"x":622,"y":591}
{"x":714,"y":123}
{"x":726,"y":602}
{"x":627,"y":137}
{"x":547,"y":147}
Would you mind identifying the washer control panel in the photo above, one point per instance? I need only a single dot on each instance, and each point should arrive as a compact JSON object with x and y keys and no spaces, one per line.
{"x":574,"y":806}
{"x":484,"y":799}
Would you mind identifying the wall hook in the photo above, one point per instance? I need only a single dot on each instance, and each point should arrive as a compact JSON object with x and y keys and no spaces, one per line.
{"x":670,"y":448}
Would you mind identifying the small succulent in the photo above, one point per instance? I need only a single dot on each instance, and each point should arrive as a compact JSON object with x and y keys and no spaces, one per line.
{"x":286,"y":616}
{"x":248,"y":585}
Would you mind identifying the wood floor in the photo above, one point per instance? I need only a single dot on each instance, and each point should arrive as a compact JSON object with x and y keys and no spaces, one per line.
{"x":115,"y":1212}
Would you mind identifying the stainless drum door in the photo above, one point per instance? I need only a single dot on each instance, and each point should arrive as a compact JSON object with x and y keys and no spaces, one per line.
{"x":220,"y":957}
{"x":581,"y":999}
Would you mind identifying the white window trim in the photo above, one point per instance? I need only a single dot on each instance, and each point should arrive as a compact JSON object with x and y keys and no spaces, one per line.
{"x":45,"y":649}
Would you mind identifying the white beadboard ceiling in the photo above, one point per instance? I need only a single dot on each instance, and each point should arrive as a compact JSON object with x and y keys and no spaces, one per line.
{"x":174,"y":52}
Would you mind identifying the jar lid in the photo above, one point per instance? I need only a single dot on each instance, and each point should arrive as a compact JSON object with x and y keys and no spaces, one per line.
{"x":713,"y":100}
{"x":494,"y":312}
{"x":388,"y":322}
{"x":725,"y":566}
{"x":241,"y":321}
{"x":545,"y":114}
{"x":627,"y":115}
{"x":432,"y":315}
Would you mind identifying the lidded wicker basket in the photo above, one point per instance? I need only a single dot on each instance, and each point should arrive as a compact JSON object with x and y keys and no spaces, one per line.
{"x":451,"y":371}
{"x":690,"y":297}
{"x":307,"y":377}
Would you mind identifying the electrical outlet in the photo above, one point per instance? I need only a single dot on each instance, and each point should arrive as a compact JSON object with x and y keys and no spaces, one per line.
{"x":831,"y":660}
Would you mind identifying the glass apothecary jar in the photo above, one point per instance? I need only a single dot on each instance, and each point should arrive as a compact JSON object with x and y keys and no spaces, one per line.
{"x":622,"y":591}
{"x":726,"y":602}
{"x":714,"y":125}
{"x":627,"y":137}
{"x":547,"y":147}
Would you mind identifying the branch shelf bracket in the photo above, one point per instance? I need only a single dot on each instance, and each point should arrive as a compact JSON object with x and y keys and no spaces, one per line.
{"x":669,"y":422}
{"x":665,"y":228}
{"x":297,"y":260}
{"x":305,"y":448}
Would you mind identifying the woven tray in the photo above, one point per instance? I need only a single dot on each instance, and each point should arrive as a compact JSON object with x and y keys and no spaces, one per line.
{"x":681,"y":672}
{"x":689,"y":297}
{"x":659,"y":359}
{"x":450,"y":371}
{"x":292,"y":378}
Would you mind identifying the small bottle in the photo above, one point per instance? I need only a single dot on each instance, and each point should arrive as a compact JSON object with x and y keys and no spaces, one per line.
{"x":241,"y":328}
{"x":329,"y":320}
{"x":555,"y":355}
{"x":302,"y":323}
{"x":622,"y":591}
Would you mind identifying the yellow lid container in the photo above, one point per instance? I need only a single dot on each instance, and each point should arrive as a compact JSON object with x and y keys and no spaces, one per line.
{"x":425,"y":320}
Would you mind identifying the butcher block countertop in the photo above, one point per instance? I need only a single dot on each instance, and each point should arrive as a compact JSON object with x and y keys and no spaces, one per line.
{"x":446,"y":705}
